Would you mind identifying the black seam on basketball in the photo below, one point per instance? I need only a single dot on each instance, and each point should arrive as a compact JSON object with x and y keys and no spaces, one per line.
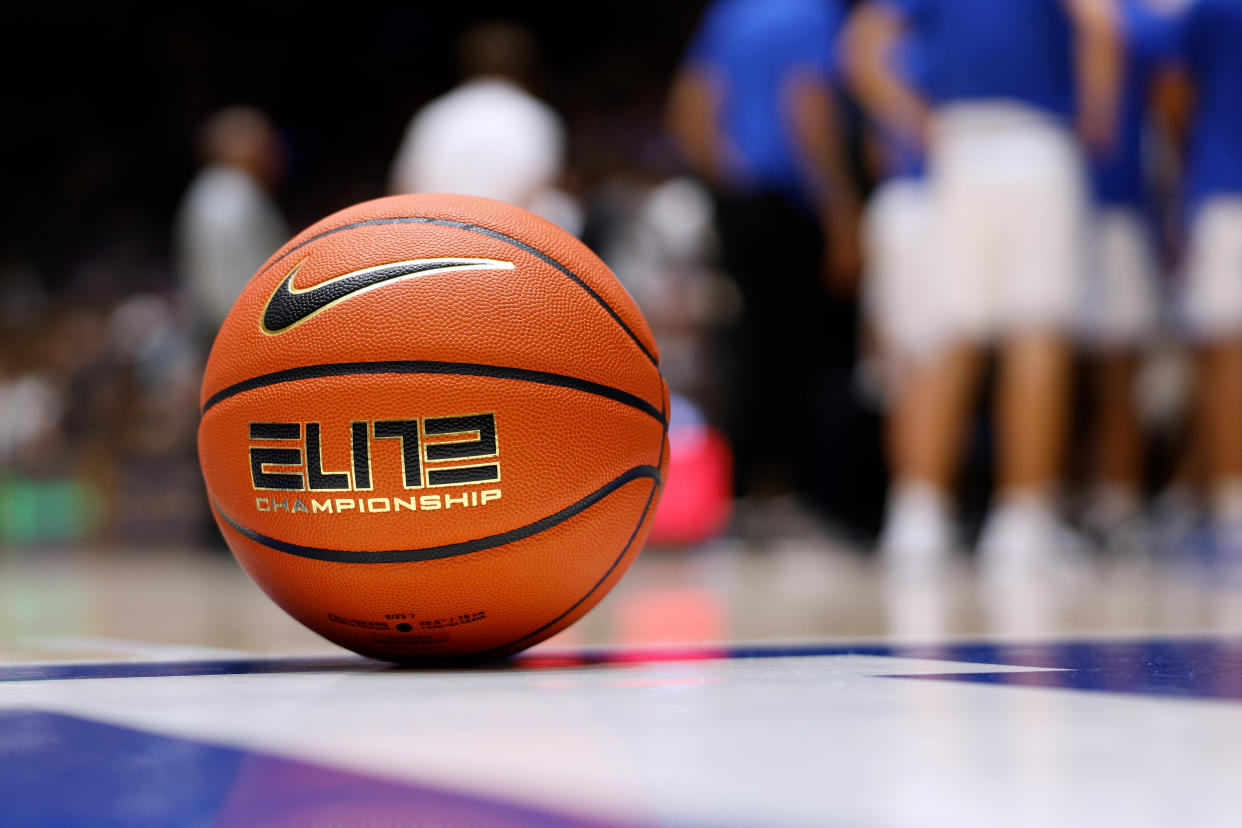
{"x":624,"y":551}
{"x":451,"y":550}
{"x":656,"y":484}
{"x":485,"y":231}
{"x":339,"y":369}
{"x":663,"y":421}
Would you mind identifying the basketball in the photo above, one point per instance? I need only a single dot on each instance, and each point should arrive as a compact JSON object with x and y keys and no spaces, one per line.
{"x":434,"y":428}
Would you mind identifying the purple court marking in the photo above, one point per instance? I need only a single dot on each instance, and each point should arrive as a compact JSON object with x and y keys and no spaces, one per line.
{"x":63,"y":770}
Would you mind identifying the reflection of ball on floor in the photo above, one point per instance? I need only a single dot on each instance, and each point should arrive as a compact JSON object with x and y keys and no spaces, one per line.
{"x":434,"y":427}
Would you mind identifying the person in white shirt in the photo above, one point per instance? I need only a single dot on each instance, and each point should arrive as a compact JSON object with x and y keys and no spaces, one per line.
{"x":490,"y":136}
{"x":228,"y":223}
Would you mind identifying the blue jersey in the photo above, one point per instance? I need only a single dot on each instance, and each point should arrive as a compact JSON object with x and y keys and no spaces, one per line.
{"x":1119,"y":179}
{"x":902,"y":158}
{"x":903,"y":155}
{"x":1212,"y":46}
{"x":973,"y":50}
{"x":754,"y":48}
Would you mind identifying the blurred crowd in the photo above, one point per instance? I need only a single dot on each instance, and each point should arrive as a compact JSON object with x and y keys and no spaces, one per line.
{"x":951,"y":274}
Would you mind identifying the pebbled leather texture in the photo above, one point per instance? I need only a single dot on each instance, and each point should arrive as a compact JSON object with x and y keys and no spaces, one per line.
{"x":580,"y":407}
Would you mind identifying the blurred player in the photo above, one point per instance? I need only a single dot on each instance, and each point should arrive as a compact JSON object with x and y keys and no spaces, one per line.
{"x":899,"y":295}
{"x":1120,"y":310}
{"x":1208,"y":35}
{"x":753,"y":112}
{"x":1006,"y":85}
{"x":228,"y":223}
{"x":490,"y":136}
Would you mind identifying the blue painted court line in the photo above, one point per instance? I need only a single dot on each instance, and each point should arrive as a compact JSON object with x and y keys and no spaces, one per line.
{"x":58,"y":770}
{"x":206,"y":667}
{"x":1199,"y":667}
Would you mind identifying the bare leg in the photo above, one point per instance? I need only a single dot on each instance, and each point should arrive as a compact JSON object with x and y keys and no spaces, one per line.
{"x":1023,"y":538}
{"x":1221,"y":437}
{"x":1116,"y":433}
{"x":1114,"y":506}
{"x":903,"y":411}
{"x":1221,"y":412}
{"x":925,"y":441}
{"x":937,"y":411}
{"x":1032,"y":409}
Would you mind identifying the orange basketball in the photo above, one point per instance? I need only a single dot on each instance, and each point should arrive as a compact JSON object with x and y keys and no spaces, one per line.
{"x":434,"y":428}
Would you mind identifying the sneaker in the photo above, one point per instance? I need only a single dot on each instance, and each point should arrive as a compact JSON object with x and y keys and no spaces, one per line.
{"x":1177,"y":517}
{"x":1223,"y":558}
{"x":918,"y":537}
{"x":1114,"y":522}
{"x":1024,"y":541}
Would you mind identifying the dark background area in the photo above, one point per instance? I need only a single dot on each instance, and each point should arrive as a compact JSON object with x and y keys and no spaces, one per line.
{"x":102,"y":105}
{"x":103,"y":108}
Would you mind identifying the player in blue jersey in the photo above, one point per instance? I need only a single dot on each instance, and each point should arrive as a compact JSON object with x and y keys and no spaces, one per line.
{"x":1005,"y":86}
{"x":752,"y":110}
{"x":1120,"y":309}
{"x":1209,"y":39}
{"x":898,"y":288}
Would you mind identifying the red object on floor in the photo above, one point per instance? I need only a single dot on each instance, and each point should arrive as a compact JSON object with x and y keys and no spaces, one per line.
{"x":697,"y":500}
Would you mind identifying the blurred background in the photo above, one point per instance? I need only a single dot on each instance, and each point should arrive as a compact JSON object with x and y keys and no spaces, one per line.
{"x":1001,"y":309}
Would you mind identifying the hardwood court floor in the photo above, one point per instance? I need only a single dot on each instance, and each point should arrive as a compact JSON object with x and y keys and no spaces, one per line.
{"x":790,"y":686}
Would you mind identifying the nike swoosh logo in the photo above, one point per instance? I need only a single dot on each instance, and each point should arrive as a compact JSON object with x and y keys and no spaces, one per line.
{"x":288,"y":306}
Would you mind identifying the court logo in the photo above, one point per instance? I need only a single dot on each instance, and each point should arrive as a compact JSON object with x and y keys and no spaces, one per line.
{"x":289,"y":306}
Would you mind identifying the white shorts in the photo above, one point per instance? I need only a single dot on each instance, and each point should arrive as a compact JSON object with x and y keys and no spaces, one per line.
{"x":1212,"y":285}
{"x":1009,"y":196}
{"x":897,"y":285}
{"x":1121,"y":300}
